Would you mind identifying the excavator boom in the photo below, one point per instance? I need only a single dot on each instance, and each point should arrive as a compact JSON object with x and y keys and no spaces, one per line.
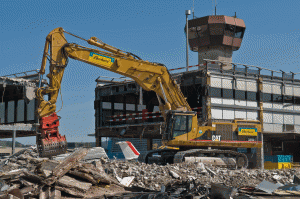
{"x":150,"y":76}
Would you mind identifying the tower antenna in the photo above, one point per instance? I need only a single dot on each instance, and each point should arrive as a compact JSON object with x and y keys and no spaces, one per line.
{"x":193,"y":9}
{"x":215,"y":7}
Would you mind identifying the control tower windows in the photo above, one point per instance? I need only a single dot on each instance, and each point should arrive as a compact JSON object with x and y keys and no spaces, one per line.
{"x":239,"y":32}
{"x":234,"y":31}
{"x":229,"y":30}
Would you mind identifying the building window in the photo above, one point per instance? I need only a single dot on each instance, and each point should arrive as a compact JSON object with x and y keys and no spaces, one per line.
{"x":215,"y":92}
{"x":277,"y":98}
{"x":288,"y":99}
{"x":277,"y":146}
{"x":251,"y":96}
{"x":267,"y":97}
{"x":240,"y":95}
{"x":297,"y":100}
{"x":228,"y":93}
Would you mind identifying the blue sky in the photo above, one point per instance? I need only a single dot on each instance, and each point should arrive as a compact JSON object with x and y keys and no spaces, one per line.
{"x":151,"y":29}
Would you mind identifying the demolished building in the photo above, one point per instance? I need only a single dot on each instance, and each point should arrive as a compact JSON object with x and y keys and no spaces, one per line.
{"x":18,"y":104}
{"x":217,"y":89}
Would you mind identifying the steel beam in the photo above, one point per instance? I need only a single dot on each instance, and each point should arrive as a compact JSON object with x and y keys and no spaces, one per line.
{"x":14,"y":132}
{"x":19,"y":127}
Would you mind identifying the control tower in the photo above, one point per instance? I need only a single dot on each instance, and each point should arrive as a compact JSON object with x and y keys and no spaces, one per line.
{"x":215,"y":37}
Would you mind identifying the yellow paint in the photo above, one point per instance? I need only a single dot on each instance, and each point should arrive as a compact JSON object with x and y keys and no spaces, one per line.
{"x":101,"y":59}
{"x":280,"y":165}
{"x":248,"y":132}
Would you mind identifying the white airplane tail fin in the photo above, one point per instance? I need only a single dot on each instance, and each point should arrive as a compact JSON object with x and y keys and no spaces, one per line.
{"x":128,"y":150}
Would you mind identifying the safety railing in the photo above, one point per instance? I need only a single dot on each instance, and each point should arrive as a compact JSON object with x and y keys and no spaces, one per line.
{"x":144,"y":115}
{"x":24,"y":74}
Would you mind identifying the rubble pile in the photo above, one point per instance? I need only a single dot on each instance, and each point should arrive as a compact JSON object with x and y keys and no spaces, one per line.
{"x":153,"y":176}
{"x":25,"y":175}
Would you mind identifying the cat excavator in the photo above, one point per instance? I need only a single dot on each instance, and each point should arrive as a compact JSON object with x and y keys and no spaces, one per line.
{"x":185,"y":138}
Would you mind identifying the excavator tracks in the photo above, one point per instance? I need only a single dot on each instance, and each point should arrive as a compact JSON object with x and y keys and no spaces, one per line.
{"x":175,"y":156}
{"x":241,"y":159}
{"x":166,"y":156}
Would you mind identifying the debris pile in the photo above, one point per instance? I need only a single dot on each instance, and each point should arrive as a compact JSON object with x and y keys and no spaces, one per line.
{"x":78,"y":175}
{"x":153,"y":176}
{"x":26,"y":175}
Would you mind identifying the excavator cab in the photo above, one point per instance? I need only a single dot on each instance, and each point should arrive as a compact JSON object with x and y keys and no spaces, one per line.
{"x":178,"y":123}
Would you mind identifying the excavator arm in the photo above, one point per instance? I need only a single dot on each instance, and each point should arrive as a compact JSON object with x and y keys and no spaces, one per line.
{"x":150,"y":76}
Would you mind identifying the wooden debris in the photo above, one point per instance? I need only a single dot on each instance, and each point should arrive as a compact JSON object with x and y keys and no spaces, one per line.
{"x":101,"y":177}
{"x":38,"y":178}
{"x":46,"y":173}
{"x":69,"y":182}
{"x":28,"y":189}
{"x":96,"y":169}
{"x":9,"y":196}
{"x":12,"y":174}
{"x":66,"y":165}
{"x":25,"y":182}
{"x":286,"y":193}
{"x":71,"y":191}
{"x":55,"y":194}
{"x":83,"y":175}
{"x":33,"y":178}
{"x":12,"y":194}
{"x":69,"y":162}
{"x":49,"y":165}
{"x":44,"y":193}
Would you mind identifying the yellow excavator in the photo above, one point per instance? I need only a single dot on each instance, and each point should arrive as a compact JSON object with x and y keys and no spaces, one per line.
{"x":184,"y":137}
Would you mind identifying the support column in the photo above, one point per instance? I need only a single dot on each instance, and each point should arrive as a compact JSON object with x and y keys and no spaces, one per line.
{"x":149,"y":144}
{"x":100,"y":122}
{"x":36,"y":119}
{"x":13,"y":141}
{"x":25,"y":111}
{"x":136,"y":108}
{"x":260,"y":151}
{"x":6,"y":112}
{"x":208,"y":99}
{"x":124,"y":106}
{"x":98,"y":141}
{"x":141,"y":96}
{"x":15,"y":110}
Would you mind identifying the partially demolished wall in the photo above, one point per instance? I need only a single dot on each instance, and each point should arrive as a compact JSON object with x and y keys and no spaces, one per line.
{"x":18,"y":104}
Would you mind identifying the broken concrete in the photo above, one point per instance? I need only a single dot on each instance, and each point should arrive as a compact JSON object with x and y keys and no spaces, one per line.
{"x":76,"y":176}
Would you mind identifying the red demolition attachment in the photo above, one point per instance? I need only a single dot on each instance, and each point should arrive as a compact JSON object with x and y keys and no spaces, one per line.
{"x":49,"y":141}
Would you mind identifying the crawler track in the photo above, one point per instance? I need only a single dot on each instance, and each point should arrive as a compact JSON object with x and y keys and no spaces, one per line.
{"x":174,"y":156}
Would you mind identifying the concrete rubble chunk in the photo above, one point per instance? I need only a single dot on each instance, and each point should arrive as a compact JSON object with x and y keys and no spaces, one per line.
{"x":67,"y":164}
{"x":276,"y":177}
{"x":174,"y":175}
{"x":33,"y":177}
{"x":222,"y":191}
{"x":28,"y":189}
{"x":268,"y":187}
{"x":210,"y":171}
{"x":296,"y":180}
{"x":55,"y":194}
{"x":12,"y":173}
{"x":83,"y":175}
{"x":93,"y":154}
{"x":71,"y":191}
{"x":70,"y":182}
